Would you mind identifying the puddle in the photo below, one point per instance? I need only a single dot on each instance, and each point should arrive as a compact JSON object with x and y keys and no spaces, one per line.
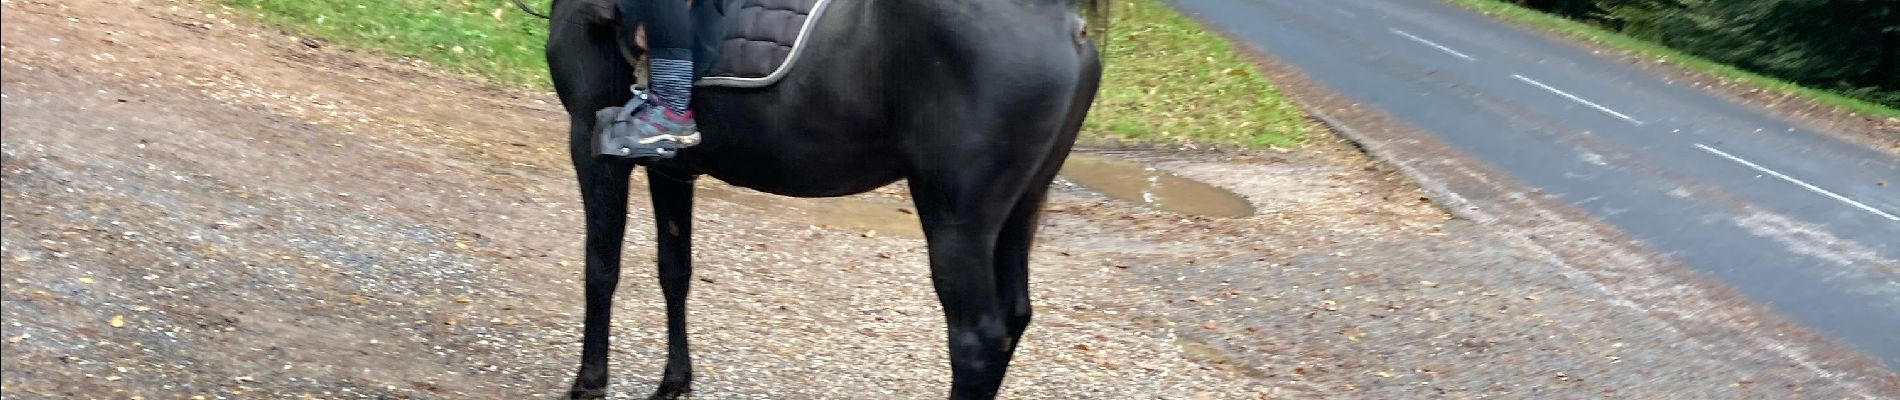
{"x":874,"y":216}
{"x":861,"y":214}
{"x":1136,"y":183}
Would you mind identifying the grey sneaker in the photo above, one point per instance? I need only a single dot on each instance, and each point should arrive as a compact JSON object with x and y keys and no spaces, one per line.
{"x":642,"y":129}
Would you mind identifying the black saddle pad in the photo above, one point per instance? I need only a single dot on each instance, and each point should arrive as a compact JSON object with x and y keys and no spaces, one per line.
{"x":756,"y":41}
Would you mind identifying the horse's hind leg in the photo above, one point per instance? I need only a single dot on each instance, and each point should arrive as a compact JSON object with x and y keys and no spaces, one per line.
{"x":961,"y":222}
{"x":1018,"y":235}
{"x":673,"y":217}
{"x":1016,"y":239}
{"x":965,"y":197}
{"x":1013,"y":244}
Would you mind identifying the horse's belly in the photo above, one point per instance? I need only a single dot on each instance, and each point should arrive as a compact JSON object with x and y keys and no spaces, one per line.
{"x":805,"y":171}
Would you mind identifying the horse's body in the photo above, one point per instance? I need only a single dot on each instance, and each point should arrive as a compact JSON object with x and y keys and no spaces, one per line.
{"x":975,"y":102}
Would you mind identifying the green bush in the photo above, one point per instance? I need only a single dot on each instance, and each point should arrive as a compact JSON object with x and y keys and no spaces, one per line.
{"x":1850,"y":47}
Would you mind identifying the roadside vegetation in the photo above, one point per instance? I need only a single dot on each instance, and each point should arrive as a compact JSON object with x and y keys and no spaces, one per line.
{"x":1168,"y":80}
{"x":1843,"y":53}
{"x":489,"y":38}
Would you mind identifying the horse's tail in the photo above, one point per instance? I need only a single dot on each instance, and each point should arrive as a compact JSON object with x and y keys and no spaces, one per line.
{"x":524,"y":8}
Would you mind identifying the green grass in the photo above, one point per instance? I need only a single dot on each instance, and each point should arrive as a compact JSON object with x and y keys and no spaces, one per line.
{"x":1513,"y":12}
{"x":487,"y":38}
{"x":1167,"y":79}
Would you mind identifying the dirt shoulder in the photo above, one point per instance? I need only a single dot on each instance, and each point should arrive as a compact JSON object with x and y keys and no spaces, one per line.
{"x":196,"y":207}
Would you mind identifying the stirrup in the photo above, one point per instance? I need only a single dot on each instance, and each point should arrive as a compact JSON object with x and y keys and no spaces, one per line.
{"x":613,"y":133}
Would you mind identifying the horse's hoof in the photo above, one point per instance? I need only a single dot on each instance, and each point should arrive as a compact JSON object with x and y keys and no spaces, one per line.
{"x":672,"y":390}
{"x":586,"y":394}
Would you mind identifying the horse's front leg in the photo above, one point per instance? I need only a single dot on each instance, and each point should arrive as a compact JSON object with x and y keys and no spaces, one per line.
{"x":673,"y":218}
{"x":603,"y":187}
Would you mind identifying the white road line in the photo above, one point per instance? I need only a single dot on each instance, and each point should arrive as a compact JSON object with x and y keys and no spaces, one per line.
{"x":1440,"y":47}
{"x":1574,"y":98}
{"x":1798,"y":182}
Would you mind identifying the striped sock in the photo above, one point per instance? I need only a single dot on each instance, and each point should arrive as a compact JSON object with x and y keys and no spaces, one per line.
{"x":673,"y":82}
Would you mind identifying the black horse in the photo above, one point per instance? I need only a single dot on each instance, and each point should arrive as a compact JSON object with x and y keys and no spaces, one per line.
{"x":975,"y":102}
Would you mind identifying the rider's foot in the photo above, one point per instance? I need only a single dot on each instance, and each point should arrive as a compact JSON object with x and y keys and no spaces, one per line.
{"x":648,"y":130}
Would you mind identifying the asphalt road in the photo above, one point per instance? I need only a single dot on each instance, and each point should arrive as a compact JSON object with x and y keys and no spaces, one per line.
{"x":1794,"y":218}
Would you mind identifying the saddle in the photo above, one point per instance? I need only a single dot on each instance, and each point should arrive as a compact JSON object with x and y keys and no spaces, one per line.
{"x":741,"y":43}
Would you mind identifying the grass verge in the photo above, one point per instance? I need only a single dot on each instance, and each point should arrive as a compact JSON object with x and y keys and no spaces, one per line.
{"x":488,"y":38}
{"x":1167,"y":79}
{"x":1170,"y":79}
{"x":1515,"y":13}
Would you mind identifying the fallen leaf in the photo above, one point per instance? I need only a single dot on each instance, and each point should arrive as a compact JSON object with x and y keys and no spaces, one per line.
{"x":85,"y":279}
{"x":1210,"y":325}
{"x":117,"y":321}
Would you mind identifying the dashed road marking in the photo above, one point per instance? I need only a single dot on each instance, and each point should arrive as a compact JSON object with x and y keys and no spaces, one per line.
{"x":1574,"y":98}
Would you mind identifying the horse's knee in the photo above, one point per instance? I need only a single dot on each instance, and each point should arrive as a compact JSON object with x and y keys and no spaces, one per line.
{"x":981,"y":344}
{"x":985,"y":329}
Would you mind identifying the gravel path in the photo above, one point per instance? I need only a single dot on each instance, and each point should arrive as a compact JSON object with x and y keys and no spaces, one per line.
{"x":196,"y":208}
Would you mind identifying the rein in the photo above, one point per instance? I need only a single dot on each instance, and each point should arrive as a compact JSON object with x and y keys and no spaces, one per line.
{"x":524,"y":8}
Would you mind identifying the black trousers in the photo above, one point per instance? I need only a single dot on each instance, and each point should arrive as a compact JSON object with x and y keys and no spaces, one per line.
{"x":668,"y":26}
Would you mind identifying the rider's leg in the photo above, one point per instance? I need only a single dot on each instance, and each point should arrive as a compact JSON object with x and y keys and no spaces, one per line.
{"x":669,"y":33}
{"x":640,"y":130}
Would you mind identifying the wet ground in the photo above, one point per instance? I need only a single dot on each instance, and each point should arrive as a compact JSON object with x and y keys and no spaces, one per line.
{"x":1156,"y":189}
{"x":200,"y":208}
